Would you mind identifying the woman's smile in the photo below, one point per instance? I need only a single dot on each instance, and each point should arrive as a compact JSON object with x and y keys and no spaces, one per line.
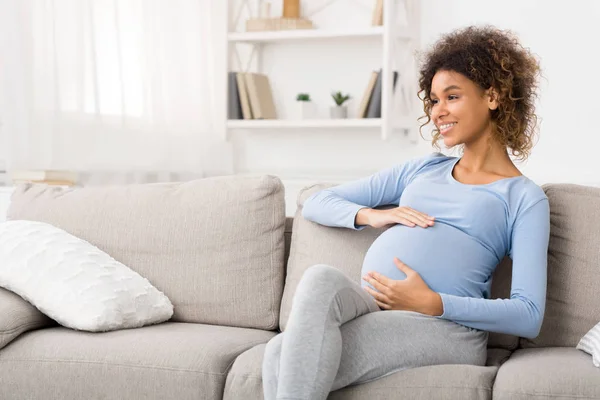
{"x":445,"y":128}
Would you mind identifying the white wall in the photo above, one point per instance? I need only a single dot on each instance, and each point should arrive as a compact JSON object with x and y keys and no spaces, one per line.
{"x":563,"y":36}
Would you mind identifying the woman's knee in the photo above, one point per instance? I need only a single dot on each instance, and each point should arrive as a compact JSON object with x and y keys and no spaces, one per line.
{"x":319,"y":285}
{"x":321,"y":274}
{"x":317,"y":281}
{"x":273,"y":350}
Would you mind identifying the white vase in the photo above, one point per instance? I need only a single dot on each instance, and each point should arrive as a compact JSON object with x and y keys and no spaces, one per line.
{"x":338,"y":112}
{"x":306,"y":109}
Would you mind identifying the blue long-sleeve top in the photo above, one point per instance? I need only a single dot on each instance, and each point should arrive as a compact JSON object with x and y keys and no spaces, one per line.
{"x":475,"y":227}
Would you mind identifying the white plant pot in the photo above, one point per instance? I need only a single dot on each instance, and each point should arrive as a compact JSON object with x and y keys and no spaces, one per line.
{"x":306,"y":109}
{"x":338,"y":112}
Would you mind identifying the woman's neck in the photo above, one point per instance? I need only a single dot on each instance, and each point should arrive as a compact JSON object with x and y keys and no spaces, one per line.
{"x":487,"y":158}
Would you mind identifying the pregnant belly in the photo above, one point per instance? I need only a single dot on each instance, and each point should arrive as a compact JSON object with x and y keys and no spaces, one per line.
{"x":448,"y":260}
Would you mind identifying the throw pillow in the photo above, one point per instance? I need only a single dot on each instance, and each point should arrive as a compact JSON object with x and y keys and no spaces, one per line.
{"x":74,"y":282}
{"x":590,"y":343}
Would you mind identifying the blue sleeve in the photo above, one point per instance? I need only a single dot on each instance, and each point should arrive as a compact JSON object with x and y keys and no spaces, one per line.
{"x":523,"y":313}
{"x":338,"y":206}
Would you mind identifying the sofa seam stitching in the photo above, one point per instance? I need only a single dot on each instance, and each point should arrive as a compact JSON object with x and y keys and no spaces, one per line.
{"x":273,"y":300}
{"x":110,"y":364}
{"x":252,"y":344}
{"x":430,"y":386}
{"x":294,"y":249}
{"x":387,"y":387}
{"x":404,"y":386}
{"x":542,"y":394}
{"x":13,"y":330}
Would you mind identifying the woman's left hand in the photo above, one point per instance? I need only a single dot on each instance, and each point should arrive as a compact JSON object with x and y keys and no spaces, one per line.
{"x":410,"y":294}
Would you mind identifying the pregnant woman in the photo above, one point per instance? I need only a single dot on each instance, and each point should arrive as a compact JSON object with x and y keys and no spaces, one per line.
{"x":426,"y":281}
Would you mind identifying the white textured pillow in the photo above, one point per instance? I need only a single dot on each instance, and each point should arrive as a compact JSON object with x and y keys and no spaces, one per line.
{"x":74,"y":282}
{"x":590,"y":343}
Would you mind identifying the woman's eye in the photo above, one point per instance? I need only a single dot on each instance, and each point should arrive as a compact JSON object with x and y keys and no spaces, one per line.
{"x":434,"y":101}
{"x":452,"y":97}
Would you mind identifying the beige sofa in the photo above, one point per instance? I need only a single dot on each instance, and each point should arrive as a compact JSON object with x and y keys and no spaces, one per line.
{"x":223,"y":251}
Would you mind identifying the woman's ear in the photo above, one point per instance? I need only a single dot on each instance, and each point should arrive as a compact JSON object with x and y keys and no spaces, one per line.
{"x":492,"y":98}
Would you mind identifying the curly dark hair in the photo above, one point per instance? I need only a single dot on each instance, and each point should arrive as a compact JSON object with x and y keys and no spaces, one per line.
{"x":494,"y":58}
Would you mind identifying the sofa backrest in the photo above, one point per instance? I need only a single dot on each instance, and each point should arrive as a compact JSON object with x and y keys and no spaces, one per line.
{"x":214,"y":246}
{"x":573,"y":303}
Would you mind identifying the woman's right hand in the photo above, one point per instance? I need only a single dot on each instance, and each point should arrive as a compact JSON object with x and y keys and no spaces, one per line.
{"x":399,"y":215}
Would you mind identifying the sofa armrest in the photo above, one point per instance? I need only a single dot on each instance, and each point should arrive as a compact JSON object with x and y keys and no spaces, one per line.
{"x":18,"y":316}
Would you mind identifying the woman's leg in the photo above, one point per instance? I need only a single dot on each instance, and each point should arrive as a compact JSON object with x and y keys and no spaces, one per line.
{"x":270,"y":367}
{"x":303,"y":362}
{"x":382,"y":343}
{"x":375,"y":344}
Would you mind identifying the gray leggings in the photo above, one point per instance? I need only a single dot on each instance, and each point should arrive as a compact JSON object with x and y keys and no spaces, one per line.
{"x":337,"y":336}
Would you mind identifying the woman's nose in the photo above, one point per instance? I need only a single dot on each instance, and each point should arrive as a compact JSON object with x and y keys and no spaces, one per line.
{"x":439,"y":111}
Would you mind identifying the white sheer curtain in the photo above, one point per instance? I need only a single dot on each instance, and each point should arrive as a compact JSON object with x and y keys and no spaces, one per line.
{"x":114,"y":85}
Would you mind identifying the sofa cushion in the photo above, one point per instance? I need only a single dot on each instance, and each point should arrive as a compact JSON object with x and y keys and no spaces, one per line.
{"x":316,"y":244}
{"x":549,"y":373}
{"x":167,"y":361}
{"x":572,"y":306}
{"x":244,"y":380}
{"x":590,"y":344}
{"x":18,"y":316}
{"x":213,"y":246}
{"x":345,"y":249}
{"x":449,"y":382}
{"x":289,"y":226}
{"x":75,"y":283}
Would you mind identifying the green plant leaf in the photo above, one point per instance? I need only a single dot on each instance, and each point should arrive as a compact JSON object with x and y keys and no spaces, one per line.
{"x":339,"y":98}
{"x":303,"y":97}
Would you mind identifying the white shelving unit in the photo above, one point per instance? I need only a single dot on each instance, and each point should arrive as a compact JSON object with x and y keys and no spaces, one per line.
{"x":304,"y":34}
{"x":399,"y":38}
{"x":304,"y":123}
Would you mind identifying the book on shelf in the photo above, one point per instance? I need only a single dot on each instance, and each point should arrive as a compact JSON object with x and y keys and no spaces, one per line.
{"x":250,"y":96}
{"x":370,"y":106}
{"x":243,"y":96}
{"x":277,"y":24}
{"x":364,"y":104}
{"x":377,"y":19}
{"x":45,"y":181}
{"x":50,"y":177}
{"x":234,"y":106}
{"x":261,"y":96}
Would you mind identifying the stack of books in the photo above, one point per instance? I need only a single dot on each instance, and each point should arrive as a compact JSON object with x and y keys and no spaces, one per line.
{"x":49,"y":177}
{"x":277,"y":24}
{"x":250,"y":96}
{"x":370,"y":105}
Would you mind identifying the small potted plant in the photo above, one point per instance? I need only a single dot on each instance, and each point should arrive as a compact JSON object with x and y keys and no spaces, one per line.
{"x":339,"y":110}
{"x":305,"y":106}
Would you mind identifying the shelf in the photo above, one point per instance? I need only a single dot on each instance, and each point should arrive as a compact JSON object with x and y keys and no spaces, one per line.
{"x":306,"y":177}
{"x":304,"y":123}
{"x":303,"y":34}
{"x":391,"y":45}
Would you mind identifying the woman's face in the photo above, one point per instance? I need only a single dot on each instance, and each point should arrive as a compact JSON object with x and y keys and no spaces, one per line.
{"x":460,"y":109}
